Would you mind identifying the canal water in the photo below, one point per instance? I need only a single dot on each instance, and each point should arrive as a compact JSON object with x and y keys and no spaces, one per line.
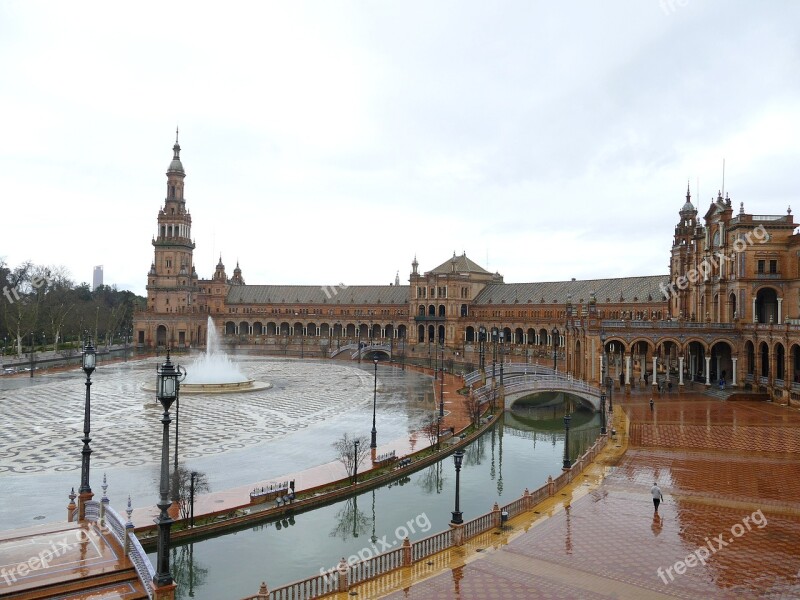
{"x":520,"y":451}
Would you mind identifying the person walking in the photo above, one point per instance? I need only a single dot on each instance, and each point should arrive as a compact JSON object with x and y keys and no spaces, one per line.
{"x":655,"y":491}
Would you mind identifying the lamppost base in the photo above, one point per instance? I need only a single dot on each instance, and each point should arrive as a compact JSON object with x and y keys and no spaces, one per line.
{"x":164,"y":592}
{"x":458,"y":530}
{"x":83,"y":498}
{"x":567,"y":466}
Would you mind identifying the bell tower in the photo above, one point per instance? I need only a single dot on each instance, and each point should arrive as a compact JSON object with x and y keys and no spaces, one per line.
{"x":172,"y":277}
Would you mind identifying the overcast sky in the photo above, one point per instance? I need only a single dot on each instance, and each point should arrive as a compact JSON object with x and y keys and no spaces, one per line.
{"x":330,"y":142}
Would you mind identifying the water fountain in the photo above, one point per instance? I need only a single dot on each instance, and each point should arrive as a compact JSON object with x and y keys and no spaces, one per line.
{"x":213,"y":372}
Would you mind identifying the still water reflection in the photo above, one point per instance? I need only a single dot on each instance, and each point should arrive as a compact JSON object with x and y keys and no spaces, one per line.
{"x":520,"y":451}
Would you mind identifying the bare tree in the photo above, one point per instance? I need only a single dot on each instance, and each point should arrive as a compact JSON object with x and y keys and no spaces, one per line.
{"x":350,"y":522}
{"x":347,"y":454}
{"x":431,"y":429}
{"x":183,"y":479}
{"x":474,"y":407}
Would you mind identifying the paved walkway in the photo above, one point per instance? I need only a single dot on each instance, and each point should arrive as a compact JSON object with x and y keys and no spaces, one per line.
{"x":728,"y":527}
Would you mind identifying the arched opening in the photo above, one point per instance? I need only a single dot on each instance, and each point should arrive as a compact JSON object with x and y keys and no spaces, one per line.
{"x":351,"y":330}
{"x":388,"y":330}
{"x":767,"y":306}
{"x":363,"y":331}
{"x":732,"y":311}
{"x":431,"y":333}
{"x":518,"y":335}
{"x":401,"y":331}
{"x":311,"y":329}
{"x":464,"y":311}
{"x":750,"y":358}
{"x":577,"y":366}
{"x":161,"y":336}
{"x":272,"y":328}
{"x":258,"y":328}
{"x":531,"y":336}
{"x":421,"y":333}
{"x":469,"y":334}
{"x":421,"y":310}
{"x":795,"y":363}
{"x":721,"y":363}
{"x":763,"y":351}
{"x":376,"y":332}
{"x":297,"y":329}
{"x":432,"y":311}
{"x":697,"y":362}
{"x":441,"y":334}
{"x":441,"y":310}
{"x":284,"y":328}
{"x":325,"y":330}
{"x":230,"y":328}
{"x":780,"y":362}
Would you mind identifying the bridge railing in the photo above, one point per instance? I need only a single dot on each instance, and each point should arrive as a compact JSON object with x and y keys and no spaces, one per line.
{"x":343,"y":348}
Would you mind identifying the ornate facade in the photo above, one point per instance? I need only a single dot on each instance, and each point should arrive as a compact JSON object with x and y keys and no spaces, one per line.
{"x":719,"y":313}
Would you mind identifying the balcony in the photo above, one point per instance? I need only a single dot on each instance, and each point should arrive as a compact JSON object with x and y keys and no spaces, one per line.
{"x":419,"y":318}
{"x":769,"y":276}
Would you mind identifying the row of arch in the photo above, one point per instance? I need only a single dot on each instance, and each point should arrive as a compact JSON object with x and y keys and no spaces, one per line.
{"x":349,"y":330}
{"x":440,"y":311}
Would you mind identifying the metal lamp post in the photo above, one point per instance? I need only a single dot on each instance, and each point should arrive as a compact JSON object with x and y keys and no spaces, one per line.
{"x":602,"y":411}
{"x":355,"y":462}
{"x":567,"y":462}
{"x":175,"y":491}
{"x":167,"y":384}
{"x":502,"y":353}
{"x":458,"y":457}
{"x":494,"y":354}
{"x":555,"y":334}
{"x":481,"y":342}
{"x":374,"y":442}
{"x":191,"y":498}
{"x":88,"y":362}
{"x":606,"y":381}
{"x":441,"y":388}
{"x":33,"y":364}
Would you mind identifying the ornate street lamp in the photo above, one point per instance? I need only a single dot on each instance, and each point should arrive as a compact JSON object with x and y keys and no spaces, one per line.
{"x":441,"y":387}
{"x":88,"y":362}
{"x":555,"y":334}
{"x":602,"y":411}
{"x":175,"y":491}
{"x":374,"y":442}
{"x":567,"y":464}
{"x":167,"y":383}
{"x":494,"y":354}
{"x":458,"y":457}
{"x":502,"y":352}
{"x":355,"y":461}
{"x":481,"y":350}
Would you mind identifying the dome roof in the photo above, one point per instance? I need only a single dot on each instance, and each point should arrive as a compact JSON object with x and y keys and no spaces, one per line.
{"x":688,"y":207}
{"x":176,"y":165}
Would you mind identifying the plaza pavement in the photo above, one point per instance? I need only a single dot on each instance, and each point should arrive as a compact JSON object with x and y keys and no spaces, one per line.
{"x":730,"y":475}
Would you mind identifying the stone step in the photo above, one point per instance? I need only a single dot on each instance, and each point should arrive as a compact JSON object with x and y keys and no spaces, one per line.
{"x":106,"y":586}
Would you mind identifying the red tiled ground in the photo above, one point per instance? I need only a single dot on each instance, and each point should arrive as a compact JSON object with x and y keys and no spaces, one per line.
{"x":718,"y":464}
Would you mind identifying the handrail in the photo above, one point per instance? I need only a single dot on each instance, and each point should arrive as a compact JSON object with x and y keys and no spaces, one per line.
{"x":144,"y":568}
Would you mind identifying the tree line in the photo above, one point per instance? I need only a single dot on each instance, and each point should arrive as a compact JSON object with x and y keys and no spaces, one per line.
{"x":42,"y":307}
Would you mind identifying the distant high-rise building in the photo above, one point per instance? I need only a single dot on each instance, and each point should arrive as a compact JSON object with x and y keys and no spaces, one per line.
{"x":97,"y":278}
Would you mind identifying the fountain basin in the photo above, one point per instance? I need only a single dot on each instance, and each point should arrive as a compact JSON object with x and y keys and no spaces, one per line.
{"x":249,"y":385}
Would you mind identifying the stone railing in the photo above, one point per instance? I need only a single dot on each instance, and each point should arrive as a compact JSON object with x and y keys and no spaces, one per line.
{"x":114,"y":522}
{"x":347,"y":575}
{"x":431,"y":545}
{"x":144,"y":568}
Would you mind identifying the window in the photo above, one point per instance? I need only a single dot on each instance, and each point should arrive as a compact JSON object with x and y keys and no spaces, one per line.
{"x":761,"y":267}
{"x":773,"y":266}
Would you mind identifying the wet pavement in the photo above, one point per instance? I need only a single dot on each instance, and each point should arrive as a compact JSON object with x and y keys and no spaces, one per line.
{"x":728,"y":527}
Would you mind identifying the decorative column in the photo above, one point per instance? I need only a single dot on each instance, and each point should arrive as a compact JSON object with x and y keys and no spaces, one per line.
{"x":780,"y":312}
{"x":708,"y":371}
{"x":680,"y":372}
{"x":755,"y":315}
{"x":628,"y":373}
{"x":601,"y":369}
{"x":655,"y":371}
{"x":733,"y":375}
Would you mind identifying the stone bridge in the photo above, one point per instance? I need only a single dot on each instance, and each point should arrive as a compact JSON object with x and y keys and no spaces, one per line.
{"x":518,"y":386}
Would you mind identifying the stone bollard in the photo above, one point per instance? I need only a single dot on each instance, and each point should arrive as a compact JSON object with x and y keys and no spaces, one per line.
{"x":408,"y":556}
{"x":343,"y":570}
{"x":165,"y":592}
{"x":527,"y":499}
{"x":263,"y":592}
{"x":71,"y":506}
{"x":104,"y":502}
{"x":551,"y":486}
{"x":458,"y":533}
{"x":128,"y":528}
{"x":496,"y":515}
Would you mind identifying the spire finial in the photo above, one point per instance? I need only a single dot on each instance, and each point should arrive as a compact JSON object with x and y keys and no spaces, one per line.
{"x":176,"y":134}
{"x":688,"y":193}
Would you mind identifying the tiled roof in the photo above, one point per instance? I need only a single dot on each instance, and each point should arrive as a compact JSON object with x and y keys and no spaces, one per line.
{"x":463,"y":265}
{"x":314,"y":294}
{"x":606,"y":290}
